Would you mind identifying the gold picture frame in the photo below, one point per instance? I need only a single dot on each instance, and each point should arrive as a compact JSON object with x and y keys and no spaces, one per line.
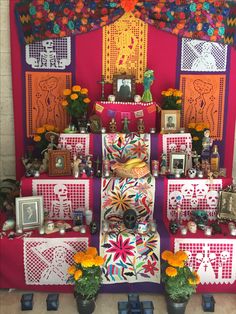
{"x":227,"y":206}
{"x":124,"y":87}
{"x":170,"y":121}
{"x":178,"y":161}
{"x":59,"y":163}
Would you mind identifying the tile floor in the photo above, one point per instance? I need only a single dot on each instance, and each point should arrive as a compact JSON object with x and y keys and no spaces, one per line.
{"x":107,"y":303}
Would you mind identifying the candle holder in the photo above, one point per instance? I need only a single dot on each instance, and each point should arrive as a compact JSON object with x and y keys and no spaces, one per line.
{"x":208,"y":230}
{"x":52,"y":302}
{"x":103,"y":130}
{"x":82,"y":130}
{"x":27,"y":302}
{"x":233,"y":231}
{"x":155,"y":167}
{"x":208,"y":303}
{"x":152,"y":130}
{"x":183,"y":230}
{"x":106,"y":168}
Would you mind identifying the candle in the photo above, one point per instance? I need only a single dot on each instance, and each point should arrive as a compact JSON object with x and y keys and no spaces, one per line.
{"x":233,"y":231}
{"x":103,"y":130}
{"x":155,"y":166}
{"x":208,"y":231}
{"x":82,"y":130}
{"x":41,"y":230}
{"x":183,"y":230}
{"x":152,"y":130}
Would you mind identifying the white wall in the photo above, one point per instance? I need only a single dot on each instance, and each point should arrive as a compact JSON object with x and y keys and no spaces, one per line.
{"x":7,"y":145}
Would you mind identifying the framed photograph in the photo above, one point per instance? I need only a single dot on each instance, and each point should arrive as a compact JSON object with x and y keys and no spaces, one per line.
{"x":124,"y":87}
{"x":29,"y":212}
{"x":227,"y":206}
{"x":178,"y":162}
{"x":170,"y":120}
{"x":59,"y":163}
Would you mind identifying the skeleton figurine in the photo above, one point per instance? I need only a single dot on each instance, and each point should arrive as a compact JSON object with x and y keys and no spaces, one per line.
{"x":112,"y":126}
{"x":62,"y":207}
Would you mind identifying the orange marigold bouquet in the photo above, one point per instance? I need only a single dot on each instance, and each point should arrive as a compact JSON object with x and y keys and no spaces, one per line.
{"x":197,"y":133}
{"x":85,"y":273}
{"x":172,"y":99}
{"x":180,"y":281}
{"x":39,"y":138}
{"x":76,"y":101}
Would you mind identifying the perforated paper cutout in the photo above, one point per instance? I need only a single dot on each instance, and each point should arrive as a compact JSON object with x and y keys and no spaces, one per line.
{"x":49,"y":54}
{"x":203,"y":56}
{"x":77,"y":144}
{"x":213,"y":259}
{"x":62,"y":197}
{"x":193,"y":194}
{"x":177,"y":143}
{"x":46,"y":260}
{"x":125,"y":48}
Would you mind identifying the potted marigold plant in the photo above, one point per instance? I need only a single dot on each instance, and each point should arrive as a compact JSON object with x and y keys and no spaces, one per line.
{"x":197,"y":132}
{"x":76,"y":102}
{"x":172,"y":99}
{"x":179,"y":280}
{"x":86,"y":275}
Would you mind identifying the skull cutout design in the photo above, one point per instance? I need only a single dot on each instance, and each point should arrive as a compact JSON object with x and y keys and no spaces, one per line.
{"x":224,"y":256}
{"x":172,"y":147}
{"x":187,"y":191}
{"x":201,"y":191}
{"x":130,"y":218}
{"x":212,"y":199}
{"x":174,"y":198}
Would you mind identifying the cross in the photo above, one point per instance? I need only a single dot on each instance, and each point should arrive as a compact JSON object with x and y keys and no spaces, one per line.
{"x":102,"y":82}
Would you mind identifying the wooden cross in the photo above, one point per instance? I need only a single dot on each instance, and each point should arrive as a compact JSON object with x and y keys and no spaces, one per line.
{"x":102,"y":82}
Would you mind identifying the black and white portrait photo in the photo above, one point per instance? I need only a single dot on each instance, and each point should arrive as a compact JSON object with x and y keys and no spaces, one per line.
{"x":170,"y":121}
{"x":29,"y":213}
{"x":124,"y":89}
{"x":177,"y":162}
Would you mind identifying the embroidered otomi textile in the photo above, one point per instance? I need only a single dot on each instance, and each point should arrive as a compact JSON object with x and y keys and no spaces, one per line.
{"x":121,"y":147}
{"x":62,"y":197}
{"x":204,"y":101}
{"x":191,"y":195}
{"x":125,"y":48}
{"x":43,"y":99}
{"x":129,"y":256}
{"x":77,"y":144}
{"x":52,"y":54}
{"x":177,"y":143}
{"x":203,"y":56}
{"x":213,"y":259}
{"x":208,"y":20}
{"x":46,"y":260}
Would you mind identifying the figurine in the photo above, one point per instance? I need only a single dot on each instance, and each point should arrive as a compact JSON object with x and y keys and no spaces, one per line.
{"x":126,"y":125}
{"x":95,"y":123}
{"x":206,"y":144}
{"x":140,"y":126}
{"x":75,"y":166}
{"x":163,"y":164}
{"x":112,"y":126}
{"x":147,"y":82}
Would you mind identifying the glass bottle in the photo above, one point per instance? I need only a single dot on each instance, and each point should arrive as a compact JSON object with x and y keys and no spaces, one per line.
{"x":215,"y":159}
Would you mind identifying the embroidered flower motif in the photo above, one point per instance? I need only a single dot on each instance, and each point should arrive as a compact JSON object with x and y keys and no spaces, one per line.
{"x":150,"y":268}
{"x":121,"y":249}
{"x":120,"y":201}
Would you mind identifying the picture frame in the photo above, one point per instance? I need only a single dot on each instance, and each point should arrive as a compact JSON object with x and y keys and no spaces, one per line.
{"x":29,"y":212}
{"x":59,"y":163}
{"x":124,"y":87}
{"x":170,"y":121}
{"x":178,"y":161}
{"x":227,"y":206}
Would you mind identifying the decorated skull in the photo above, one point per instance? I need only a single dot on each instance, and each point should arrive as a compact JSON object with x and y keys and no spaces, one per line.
{"x":200,"y":217}
{"x":173,"y":226}
{"x":212,"y":199}
{"x":187,"y":191}
{"x":175,"y":197}
{"x":93,"y":227}
{"x":201,"y":191}
{"x":192,"y":172}
{"x":130,"y":218}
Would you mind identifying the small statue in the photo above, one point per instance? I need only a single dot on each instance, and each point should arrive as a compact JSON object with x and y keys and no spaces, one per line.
{"x":163,"y":164}
{"x":206,"y":145}
{"x":125,"y":126}
{"x":112,"y":126}
{"x":75,"y":166}
{"x":147,"y":82}
{"x":140,"y":126}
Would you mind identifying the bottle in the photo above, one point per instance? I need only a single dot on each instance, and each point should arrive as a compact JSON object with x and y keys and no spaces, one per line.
{"x":215,"y":159}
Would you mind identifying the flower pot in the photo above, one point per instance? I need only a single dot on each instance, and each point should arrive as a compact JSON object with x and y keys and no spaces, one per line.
{"x":175,"y":307}
{"x":85,"y":306}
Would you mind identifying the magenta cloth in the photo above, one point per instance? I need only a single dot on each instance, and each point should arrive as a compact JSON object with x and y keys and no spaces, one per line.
{"x":133,"y":111}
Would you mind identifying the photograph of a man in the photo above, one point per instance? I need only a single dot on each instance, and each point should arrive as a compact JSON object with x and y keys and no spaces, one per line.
{"x":29,"y":213}
{"x":170,"y":122}
{"x":124,"y":89}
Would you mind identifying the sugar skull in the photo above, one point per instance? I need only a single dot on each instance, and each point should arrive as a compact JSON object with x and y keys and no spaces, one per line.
{"x":212,"y":199}
{"x":173,"y":226}
{"x":130,"y":218}
{"x":187,"y":191}
{"x":175,"y":197}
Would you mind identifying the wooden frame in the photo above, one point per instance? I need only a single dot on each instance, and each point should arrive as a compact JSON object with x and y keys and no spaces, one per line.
{"x":178,"y":161}
{"x":170,"y":121}
{"x":227,"y":206}
{"x":29,"y":212}
{"x":124,"y":87}
{"x":59,"y":163}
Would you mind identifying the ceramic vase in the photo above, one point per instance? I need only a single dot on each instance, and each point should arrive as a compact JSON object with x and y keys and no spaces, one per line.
{"x":175,"y":307}
{"x":85,"y":306}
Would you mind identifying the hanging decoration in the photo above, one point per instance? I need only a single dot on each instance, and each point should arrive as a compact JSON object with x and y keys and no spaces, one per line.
{"x":125,"y":48}
{"x":206,"y":20}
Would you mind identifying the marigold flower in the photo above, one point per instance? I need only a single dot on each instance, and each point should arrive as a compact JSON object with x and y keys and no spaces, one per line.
{"x":88,"y":262}
{"x":171,"y":271}
{"x":168,"y":93}
{"x":49,"y":127}
{"x":196,"y":279}
{"x":177,"y":93}
{"x":65,"y":103}
{"x":181,"y":255}
{"x":37,"y":138}
{"x":84,"y":91}
{"x":92,"y":251}
{"x":178,"y":101}
{"x":74,"y":96}
{"x":78,"y":274}
{"x":87,"y":100}
{"x":78,"y":257}
{"x":199,"y":128}
{"x":191,"y":125}
{"x":67,"y":92}
{"x":195,"y":138}
{"x":98,"y":261}
{"x":175,"y":262}
{"x":76,"y":88}
{"x":40,"y":130}
{"x":71,"y":270}
{"x":166,"y":255}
